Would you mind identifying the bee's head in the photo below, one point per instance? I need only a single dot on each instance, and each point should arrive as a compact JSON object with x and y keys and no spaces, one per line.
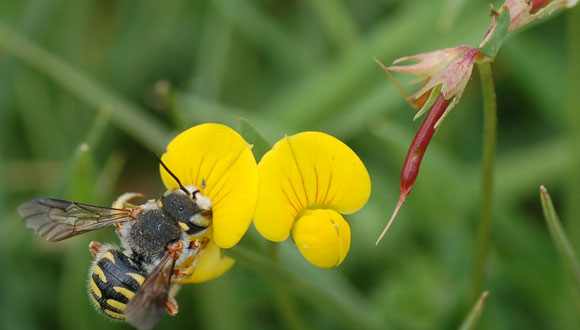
{"x":191,"y":210}
{"x":184,"y":208}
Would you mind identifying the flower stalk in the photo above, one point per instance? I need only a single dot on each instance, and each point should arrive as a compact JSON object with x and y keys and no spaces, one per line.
{"x":489,"y":150}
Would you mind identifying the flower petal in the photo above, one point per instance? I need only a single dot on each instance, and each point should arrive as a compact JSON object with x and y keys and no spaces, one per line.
{"x":206,"y":265}
{"x":429,"y":64}
{"x":454,"y":78}
{"x":220,"y":163}
{"x":309,"y":169}
{"x":323,"y":237}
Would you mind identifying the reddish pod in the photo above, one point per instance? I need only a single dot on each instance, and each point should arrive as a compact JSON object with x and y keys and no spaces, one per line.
{"x":415,"y":155}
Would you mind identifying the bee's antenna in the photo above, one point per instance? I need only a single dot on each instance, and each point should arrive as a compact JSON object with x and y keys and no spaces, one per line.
{"x":171,"y":173}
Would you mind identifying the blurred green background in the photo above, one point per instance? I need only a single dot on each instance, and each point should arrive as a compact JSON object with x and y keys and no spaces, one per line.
{"x":123,"y":77}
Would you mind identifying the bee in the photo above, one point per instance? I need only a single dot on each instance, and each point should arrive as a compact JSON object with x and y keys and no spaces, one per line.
{"x":130,"y":283}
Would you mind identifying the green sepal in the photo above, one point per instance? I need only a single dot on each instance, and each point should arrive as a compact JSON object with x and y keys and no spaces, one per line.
{"x":253,"y":136}
{"x":502,"y":24}
{"x":430,"y":101}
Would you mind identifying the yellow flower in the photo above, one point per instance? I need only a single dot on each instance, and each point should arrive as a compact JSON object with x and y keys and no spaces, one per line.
{"x":306,"y":181}
{"x":220,"y":164}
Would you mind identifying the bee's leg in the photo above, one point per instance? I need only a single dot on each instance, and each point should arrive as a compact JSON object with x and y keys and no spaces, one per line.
{"x":95,"y":248}
{"x":198,"y":245}
{"x":124,"y":199}
{"x":171,"y":304}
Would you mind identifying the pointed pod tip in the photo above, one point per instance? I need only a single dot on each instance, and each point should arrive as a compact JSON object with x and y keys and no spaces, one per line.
{"x":393,"y":216}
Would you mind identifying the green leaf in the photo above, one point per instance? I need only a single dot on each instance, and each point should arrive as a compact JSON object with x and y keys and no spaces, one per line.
{"x":501,"y":24}
{"x":253,"y":136}
{"x":472,"y":319}
{"x":567,"y":254}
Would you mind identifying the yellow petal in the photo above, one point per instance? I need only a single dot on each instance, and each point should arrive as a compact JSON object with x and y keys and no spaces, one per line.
{"x":307,"y":170}
{"x":206,"y":265}
{"x":220,"y":163}
{"x":323,"y":237}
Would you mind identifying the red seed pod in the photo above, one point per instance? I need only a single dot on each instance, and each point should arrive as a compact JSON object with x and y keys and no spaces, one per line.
{"x":415,"y":155}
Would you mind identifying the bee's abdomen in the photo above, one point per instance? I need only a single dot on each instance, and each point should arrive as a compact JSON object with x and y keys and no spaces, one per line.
{"x":113,"y":282}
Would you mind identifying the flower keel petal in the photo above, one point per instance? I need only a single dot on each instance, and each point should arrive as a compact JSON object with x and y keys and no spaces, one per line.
{"x":323,"y":237}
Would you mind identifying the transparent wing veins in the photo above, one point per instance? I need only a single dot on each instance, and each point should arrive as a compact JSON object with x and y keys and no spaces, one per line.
{"x":56,"y":220}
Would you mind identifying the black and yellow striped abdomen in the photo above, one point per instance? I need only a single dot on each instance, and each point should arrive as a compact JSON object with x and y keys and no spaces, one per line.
{"x":113,"y":282}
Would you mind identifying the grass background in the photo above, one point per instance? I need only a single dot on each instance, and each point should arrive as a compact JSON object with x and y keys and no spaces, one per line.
{"x":123,"y":77}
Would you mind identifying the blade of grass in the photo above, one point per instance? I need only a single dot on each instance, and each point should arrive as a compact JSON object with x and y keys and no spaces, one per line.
{"x":560,"y":239}
{"x":472,"y":319}
{"x":127,"y":116}
{"x":539,"y":262}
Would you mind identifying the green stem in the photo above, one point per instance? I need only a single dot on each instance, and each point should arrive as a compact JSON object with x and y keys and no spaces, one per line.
{"x":350,"y":314}
{"x":489,"y":147}
{"x":288,"y":313}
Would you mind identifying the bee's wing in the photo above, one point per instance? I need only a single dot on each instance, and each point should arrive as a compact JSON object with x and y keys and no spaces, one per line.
{"x":55,"y":219}
{"x":146,"y":308}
